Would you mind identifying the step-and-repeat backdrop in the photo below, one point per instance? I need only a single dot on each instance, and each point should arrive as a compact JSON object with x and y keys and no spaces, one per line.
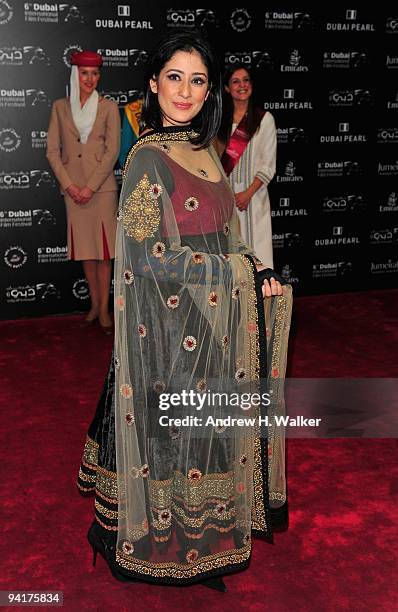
{"x":329,"y":77}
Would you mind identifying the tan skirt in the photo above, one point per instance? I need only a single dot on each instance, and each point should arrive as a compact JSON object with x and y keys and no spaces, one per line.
{"x":92,"y":227}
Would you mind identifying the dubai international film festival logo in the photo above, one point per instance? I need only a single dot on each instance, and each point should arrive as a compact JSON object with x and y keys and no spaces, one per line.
{"x":70,"y":13}
{"x":37,"y":97}
{"x":240,"y":20}
{"x":6,"y":12}
{"x":191,"y":18}
{"x":32,"y":293}
{"x":9,"y":140}
{"x":338,"y":59}
{"x":288,"y":20}
{"x":384,"y":236}
{"x":252,"y":59}
{"x":41,"y":12}
{"x":36,"y":55}
{"x":15,"y":257}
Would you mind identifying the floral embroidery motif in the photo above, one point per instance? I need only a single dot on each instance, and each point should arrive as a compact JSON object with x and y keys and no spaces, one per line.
{"x":144,"y":471}
{"x":127,"y":548}
{"x":142,"y":331}
{"x":226,"y":229}
{"x":141,"y":215}
{"x":213,"y":298}
{"x":130,"y":420}
{"x":119,"y":301}
{"x":221,"y":508}
{"x":251,"y":327}
{"x":166,"y":147}
{"x":126,"y":391}
{"x":198,"y":258}
{"x":235,"y":293}
{"x":243,"y":460}
{"x":155,"y":190}
{"x":158,"y":249}
{"x":274,"y":372}
{"x":269,"y":450}
{"x":191,"y":204}
{"x":194,"y":474}
{"x":246,"y":538}
{"x":203,"y":172}
{"x":240,"y":375}
{"x":240,"y":487}
{"x":192,"y":555}
{"x":189,"y":343}
{"x":159,"y":386}
{"x":225,"y":342}
{"x":128,"y":277}
{"x":117,"y":363}
{"x":164,"y":516}
{"x":201,"y":385}
{"x":173,"y":302}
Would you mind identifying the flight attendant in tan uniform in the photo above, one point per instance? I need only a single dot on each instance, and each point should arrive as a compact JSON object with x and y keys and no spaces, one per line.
{"x":82,"y":148}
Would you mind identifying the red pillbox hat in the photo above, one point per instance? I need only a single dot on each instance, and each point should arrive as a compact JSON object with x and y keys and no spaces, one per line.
{"x":86,"y":58}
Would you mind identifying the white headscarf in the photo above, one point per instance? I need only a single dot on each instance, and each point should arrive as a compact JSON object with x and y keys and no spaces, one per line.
{"x":83,"y":117}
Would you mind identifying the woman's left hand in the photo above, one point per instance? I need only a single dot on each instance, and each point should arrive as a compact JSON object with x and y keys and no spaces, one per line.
{"x":271,"y":287}
{"x":85,"y":195}
{"x":242,"y":200}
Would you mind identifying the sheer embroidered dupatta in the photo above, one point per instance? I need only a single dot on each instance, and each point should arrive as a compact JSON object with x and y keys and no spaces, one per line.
{"x":186,"y":319}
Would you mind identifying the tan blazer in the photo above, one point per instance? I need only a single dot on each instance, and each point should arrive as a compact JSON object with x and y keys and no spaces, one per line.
{"x":89,"y":164}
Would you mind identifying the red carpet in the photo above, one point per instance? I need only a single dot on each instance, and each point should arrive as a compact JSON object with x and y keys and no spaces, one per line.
{"x":341,"y":551}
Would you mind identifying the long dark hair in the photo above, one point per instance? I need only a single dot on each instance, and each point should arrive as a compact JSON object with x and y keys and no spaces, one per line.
{"x":254,"y":114}
{"x":207,"y":122}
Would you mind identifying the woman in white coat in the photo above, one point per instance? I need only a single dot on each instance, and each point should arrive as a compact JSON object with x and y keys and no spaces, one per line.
{"x":246,"y":144}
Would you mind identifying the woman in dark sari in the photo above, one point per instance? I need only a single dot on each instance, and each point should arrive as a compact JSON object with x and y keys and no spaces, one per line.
{"x":177,"y":502}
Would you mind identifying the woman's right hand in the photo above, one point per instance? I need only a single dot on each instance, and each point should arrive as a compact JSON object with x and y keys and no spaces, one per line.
{"x":74,"y":192}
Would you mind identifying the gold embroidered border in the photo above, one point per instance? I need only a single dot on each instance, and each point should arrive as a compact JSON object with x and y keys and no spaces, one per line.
{"x":86,"y":477}
{"x":198,"y":536}
{"x":110,"y":500}
{"x":258,"y":509}
{"x":110,"y":514}
{"x":194,"y":492}
{"x":214,"y":500}
{"x":176,"y":570}
{"x":90,"y":453}
{"x":279,"y":319}
{"x":227,"y":515}
{"x":156,"y":138}
{"x":275,"y":383}
{"x":109,"y":528}
{"x":106,"y":482}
